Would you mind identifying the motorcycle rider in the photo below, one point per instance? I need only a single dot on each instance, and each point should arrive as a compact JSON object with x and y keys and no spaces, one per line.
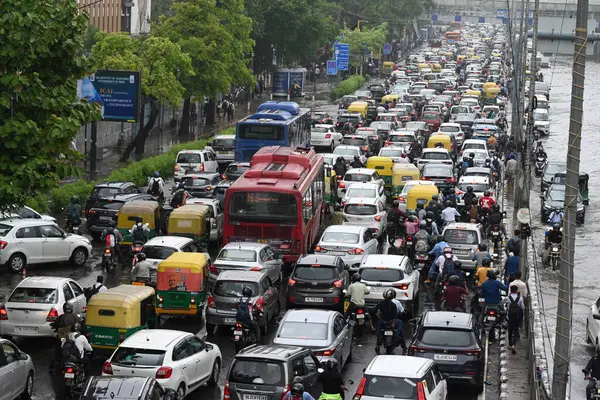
{"x":411,"y":226}
{"x":468,"y":197}
{"x":73,"y":214}
{"x":82,"y":345}
{"x":495,"y":218}
{"x":431,"y":226}
{"x":421,"y":213}
{"x":398,"y":324}
{"x":397,"y":216}
{"x":422,"y":238}
{"x":482,"y":272}
{"x":436,"y":252}
{"x":592,"y":370}
{"x":244,"y":312}
{"x":387,"y":314}
{"x":446,"y":263}
{"x":452,"y":297}
{"x":553,"y":236}
{"x":141,"y":270}
{"x":356,"y":293}
{"x":556,"y":216}
{"x":449,"y":213}
{"x":485,"y":203}
{"x":481,"y":254}
{"x":63,"y":325}
{"x":180,"y":197}
{"x":340,"y":167}
{"x":451,"y":197}
{"x":356,"y":163}
{"x":156,"y":186}
{"x":403,"y":159}
{"x":297,"y":392}
{"x":331,"y":381}
{"x":491,"y":288}
{"x":415,"y":149}
{"x":114,"y":245}
{"x":539,"y":150}
{"x":435,"y":206}
{"x":471,"y":160}
{"x":139,"y":231}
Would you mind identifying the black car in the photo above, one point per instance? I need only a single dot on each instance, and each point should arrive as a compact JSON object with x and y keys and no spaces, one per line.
{"x":125,"y":388}
{"x":106,"y":190}
{"x":106,"y":209}
{"x":201,"y":184}
{"x":235,"y":170}
{"x":441,"y":175}
{"x":220,"y":190}
{"x":550,"y":170}
{"x":554,"y":199}
{"x":454,"y":340}
{"x":378,"y":91}
{"x":318,"y":280}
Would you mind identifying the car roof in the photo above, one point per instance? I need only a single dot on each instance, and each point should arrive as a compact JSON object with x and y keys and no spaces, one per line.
{"x":317,"y":259}
{"x":240,"y":276}
{"x":170,"y":241}
{"x":113,"y":184}
{"x":360,"y":171}
{"x":154,"y":339}
{"x":224,"y":137}
{"x":244,"y":245}
{"x":447,"y":319}
{"x":367,"y":185}
{"x":398,"y":366}
{"x":323,"y":126}
{"x":270,"y":352}
{"x":119,"y":387}
{"x":18,"y":221}
{"x":309,"y":315}
{"x":466,"y":226}
{"x":361,"y":200}
{"x":474,"y":179}
{"x":239,"y":163}
{"x":347,"y":228}
{"x":454,"y":124}
{"x":477,"y":141}
{"x":43,"y":281}
{"x":388,"y":260}
{"x":347,"y":146}
{"x":202,"y":175}
{"x":124,"y":197}
{"x":435,"y":150}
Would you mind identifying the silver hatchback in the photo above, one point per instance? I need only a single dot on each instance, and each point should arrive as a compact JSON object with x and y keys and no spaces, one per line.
{"x":16,"y":372}
{"x":464,"y":238}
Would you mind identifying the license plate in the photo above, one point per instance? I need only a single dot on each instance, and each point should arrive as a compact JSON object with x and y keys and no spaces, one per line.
{"x":482,"y":300}
{"x":495,"y":233}
{"x":313,"y":299}
{"x":491,"y":318}
{"x":106,"y":218}
{"x":229,"y":320}
{"x":445,"y":357}
{"x":409,"y":242}
{"x":254,"y":397}
{"x":30,"y":329}
{"x":337,"y":253}
{"x":238,"y":333}
{"x":555,"y":249}
{"x":388,"y":333}
{"x":70,"y":375}
{"x":360,"y":316}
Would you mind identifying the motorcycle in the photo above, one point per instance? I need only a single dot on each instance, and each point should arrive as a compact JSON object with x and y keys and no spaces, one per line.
{"x":554,"y":255}
{"x":243,"y":336}
{"x":409,"y":245}
{"x":389,"y":338}
{"x":136,"y":248}
{"x":497,"y":238}
{"x":540,"y":163}
{"x":492,"y":318}
{"x":73,"y":378}
{"x":295,"y":93}
{"x":595,"y":394}
{"x":421,"y":259}
{"x":360,"y":316}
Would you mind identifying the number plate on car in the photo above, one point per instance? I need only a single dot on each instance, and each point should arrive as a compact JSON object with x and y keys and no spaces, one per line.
{"x":30,"y":329}
{"x":313,"y":299}
{"x":337,"y":253}
{"x":69,"y":375}
{"x":445,"y":357}
{"x":388,"y":333}
{"x":106,"y":218}
{"x":223,"y":152}
{"x":254,"y":397}
{"x":229,"y":320}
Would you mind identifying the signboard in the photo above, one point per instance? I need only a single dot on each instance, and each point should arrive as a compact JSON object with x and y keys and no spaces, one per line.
{"x":457,"y":18}
{"x":120,"y":92}
{"x":331,"y":67}
{"x":342,"y":55}
{"x":387,"y":48}
{"x":523,"y":215}
{"x":434,"y":17}
{"x":482,"y":20}
{"x":502,"y":13}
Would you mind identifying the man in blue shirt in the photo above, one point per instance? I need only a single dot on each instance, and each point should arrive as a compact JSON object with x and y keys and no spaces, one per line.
{"x":511,"y":266}
{"x":490,"y":290}
{"x":437,"y":251}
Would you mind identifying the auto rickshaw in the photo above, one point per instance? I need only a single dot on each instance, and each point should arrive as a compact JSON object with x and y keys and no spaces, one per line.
{"x":423,"y":66}
{"x":460,"y":59}
{"x":388,"y":67}
{"x":401,"y":173}
{"x":361,"y":107}
{"x":436,"y":67}
{"x":181,"y":287}
{"x":117,"y":313}
{"x":475,"y":93}
{"x":331,"y":194}
{"x":489,"y":85}
{"x":148,"y":211}
{"x":421,"y":194}
{"x":389,"y":98}
{"x":383,"y":166}
{"x":191,"y":221}
{"x":491,"y":95}
{"x":446,"y":141}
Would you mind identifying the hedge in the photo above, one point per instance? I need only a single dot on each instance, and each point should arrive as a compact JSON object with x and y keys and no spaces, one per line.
{"x":348,"y":86}
{"x":136,"y":172}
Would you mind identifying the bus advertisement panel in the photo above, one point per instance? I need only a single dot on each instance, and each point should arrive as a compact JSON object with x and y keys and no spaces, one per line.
{"x":452,"y":37}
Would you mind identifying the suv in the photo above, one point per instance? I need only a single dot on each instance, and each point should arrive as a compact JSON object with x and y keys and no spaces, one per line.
{"x":107,"y":190}
{"x":367,"y":212}
{"x":454,"y":340}
{"x":122,"y":387}
{"x":224,"y":146}
{"x":106,"y":209}
{"x":463,"y":238}
{"x":190,"y":161}
{"x":266,"y":372}
{"x":318,"y":280}
{"x":235,"y":170}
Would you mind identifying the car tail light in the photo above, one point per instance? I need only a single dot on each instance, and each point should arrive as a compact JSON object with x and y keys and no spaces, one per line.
{"x":491,"y":312}
{"x":208,"y":188}
{"x":201,"y":170}
{"x":107,"y":250}
{"x":420,"y":391}
{"x":260,"y":304}
{"x":416,"y":349}
{"x":339,"y":176}
{"x":291,"y":282}
{"x":223,"y":176}
{"x":360,"y":390}
{"x":84,"y":309}
{"x":164,"y":373}
{"x":176,"y":168}
{"x":424,"y":178}
{"x":107,"y":368}
{"x":256,"y":269}
{"x":365,"y":148}
{"x":3,"y":244}
{"x":356,"y":251}
{"x":401,"y":199}
{"x":377,"y":218}
{"x":213,"y":269}
{"x":226,"y":394}
{"x":388,"y":144}
{"x":325,"y":353}
{"x":401,"y":286}
{"x":451,"y":180}
{"x":3,"y":313}
{"x":52,"y":315}
{"x":474,"y":353}
{"x":211,"y":302}
{"x":338,"y":284}
{"x":328,"y":136}
{"x":342,"y":185}
{"x":320,"y":249}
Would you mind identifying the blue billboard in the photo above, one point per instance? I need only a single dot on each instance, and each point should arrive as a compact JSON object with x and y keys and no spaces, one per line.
{"x":120,"y":92}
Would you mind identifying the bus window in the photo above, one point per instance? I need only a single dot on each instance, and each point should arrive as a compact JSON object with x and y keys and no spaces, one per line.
{"x":262,"y":206}
{"x":261,"y":132}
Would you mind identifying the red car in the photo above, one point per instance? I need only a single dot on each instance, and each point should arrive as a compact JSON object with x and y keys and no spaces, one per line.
{"x":433,"y":119}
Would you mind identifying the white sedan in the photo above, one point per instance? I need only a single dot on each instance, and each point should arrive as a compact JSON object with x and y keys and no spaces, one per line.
{"x":350,"y":242}
{"x":592,"y":326}
{"x":322,"y":135}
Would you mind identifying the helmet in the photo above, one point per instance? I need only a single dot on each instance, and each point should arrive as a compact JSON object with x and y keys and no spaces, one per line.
{"x":356,"y":158}
{"x":181,"y":186}
{"x":435,"y":197}
{"x":419,"y":206}
{"x":389,"y":294}
{"x":471,"y":155}
{"x":465,"y":158}
{"x":496,"y":208}
{"x":297,"y":379}
{"x":412,"y":213}
{"x":491,"y":274}
{"x":429,"y":215}
{"x":68,"y":308}
{"x":74,"y":199}
{"x":412,"y":218}
{"x":482,"y":247}
{"x":556,"y":226}
{"x":112,"y":224}
{"x":470,"y":189}
{"x":396,"y":203}
{"x":403,"y":155}
{"x":486,"y":262}
{"x":356,"y":277}
{"x":331,"y":364}
{"x":247,"y":291}
{"x":156,"y":174}
{"x":488,"y":160}
{"x":453,"y":280}
{"x":77,"y":327}
{"x":297,"y":389}
{"x":141,"y":256}
{"x":448,"y":249}
{"x":486,"y":193}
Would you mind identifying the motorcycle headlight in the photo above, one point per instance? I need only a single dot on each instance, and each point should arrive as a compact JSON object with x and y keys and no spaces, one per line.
{"x":555,"y":249}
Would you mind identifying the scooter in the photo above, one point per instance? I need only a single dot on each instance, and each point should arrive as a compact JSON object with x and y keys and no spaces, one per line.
{"x":389,"y":339}
{"x":554,"y":255}
{"x":540,"y":164}
{"x":596,"y":393}
{"x":74,"y":227}
{"x":497,"y":238}
{"x":493,"y":317}
{"x":421,"y":259}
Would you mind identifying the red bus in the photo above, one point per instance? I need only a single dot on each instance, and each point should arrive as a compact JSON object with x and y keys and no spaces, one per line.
{"x":279,"y":200}
{"x":452,"y":36}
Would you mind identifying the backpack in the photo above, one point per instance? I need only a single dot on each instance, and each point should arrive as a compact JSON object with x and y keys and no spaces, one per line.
{"x":243,"y":310}
{"x":449,"y":265}
{"x":70,"y":352}
{"x":138,"y":234}
{"x":90,"y":291}
{"x":177,"y":199}
{"x":73,"y":213}
{"x":514,"y":310}
{"x":155,"y":187}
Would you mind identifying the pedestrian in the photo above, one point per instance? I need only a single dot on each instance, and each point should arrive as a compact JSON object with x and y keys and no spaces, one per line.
{"x":230,"y":111}
{"x":521,"y":286}
{"x":516,"y":308}
{"x":219,"y":109}
{"x":511,"y":267}
{"x":514,"y":244}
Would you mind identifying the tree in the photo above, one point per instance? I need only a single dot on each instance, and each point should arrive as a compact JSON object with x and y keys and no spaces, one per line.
{"x":40,"y":62}
{"x":371,"y":39}
{"x":89,"y":40}
{"x":160,"y":7}
{"x":163,"y":66}
{"x":216,"y":35}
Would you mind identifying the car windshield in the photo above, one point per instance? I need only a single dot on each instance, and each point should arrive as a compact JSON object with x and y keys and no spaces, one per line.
{"x":357,"y":177}
{"x":109,"y":204}
{"x":315,"y":273}
{"x":105,"y":191}
{"x":340,"y":237}
{"x":414,"y":125}
{"x":390,"y":387}
{"x":434,"y":155}
{"x":472,"y":145}
{"x":360,"y":209}
{"x":429,"y":117}
{"x":355,"y":141}
{"x":556,"y":195}
{"x":391,"y":152}
{"x":34,"y":295}
{"x":237,"y":169}
{"x":138,"y":357}
{"x":319,"y":129}
{"x":191,"y":181}
{"x":553,"y":169}
{"x":263,"y":206}
{"x":228,"y":144}
{"x":347,"y":118}
{"x":450,"y":128}
{"x":381,"y":274}
{"x":189,"y":158}
{"x":257,"y":372}
{"x":233,"y":254}
{"x":461,"y":236}
{"x":447,"y":337}
{"x":158,"y":252}
{"x":303,"y":330}
{"x":436,"y":170}
{"x":401,"y":139}
{"x":539,"y":116}
{"x":346,"y":152}
{"x":361,"y":192}
{"x":381,"y":125}
{"x":233,"y":288}
{"x":477,"y":187}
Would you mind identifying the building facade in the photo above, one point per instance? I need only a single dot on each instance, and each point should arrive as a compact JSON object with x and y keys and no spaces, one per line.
{"x":130,"y":16}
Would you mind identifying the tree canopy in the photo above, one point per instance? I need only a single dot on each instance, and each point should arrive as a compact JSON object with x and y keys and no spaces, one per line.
{"x":370,"y":39}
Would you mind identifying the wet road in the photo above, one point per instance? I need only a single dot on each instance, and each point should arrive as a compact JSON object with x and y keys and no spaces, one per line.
{"x":587,"y":274}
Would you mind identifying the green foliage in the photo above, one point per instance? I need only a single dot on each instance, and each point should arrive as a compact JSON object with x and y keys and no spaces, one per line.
{"x":40,"y":62}
{"x":160,"y":7}
{"x":348,"y":86}
{"x":371,"y":39}
{"x":89,"y":40}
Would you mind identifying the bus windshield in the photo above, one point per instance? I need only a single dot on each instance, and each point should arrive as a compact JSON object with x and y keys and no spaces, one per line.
{"x":260,"y":132}
{"x":263,"y":206}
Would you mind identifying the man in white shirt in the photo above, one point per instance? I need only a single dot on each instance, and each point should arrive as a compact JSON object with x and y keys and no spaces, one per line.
{"x":99,"y":285}
{"x":449,"y":213}
{"x":82,"y":345}
{"x":356,"y":293}
{"x":521,"y":286}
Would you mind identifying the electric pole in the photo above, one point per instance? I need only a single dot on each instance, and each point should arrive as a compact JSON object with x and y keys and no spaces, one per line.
{"x":564,"y":315}
{"x":529,"y":137}
{"x":517,"y":107}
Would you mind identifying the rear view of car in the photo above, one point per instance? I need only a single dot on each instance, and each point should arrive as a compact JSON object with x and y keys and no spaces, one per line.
{"x":224,"y":145}
{"x":317,"y":280}
{"x":463,"y":238}
{"x":366,"y":212}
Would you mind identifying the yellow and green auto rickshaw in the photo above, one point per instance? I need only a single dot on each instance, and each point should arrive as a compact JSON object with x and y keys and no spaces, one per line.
{"x":117,"y":313}
{"x":421,"y":194}
{"x":401,"y":173}
{"x":383,"y":166}
{"x":191,"y":221}
{"x":361,"y":107}
{"x":331,"y":194}
{"x":390,"y":98}
{"x":148,"y":211}
{"x":388,"y":67}
{"x":181,"y":287}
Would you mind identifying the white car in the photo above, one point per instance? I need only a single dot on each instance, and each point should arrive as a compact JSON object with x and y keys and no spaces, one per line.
{"x":189,"y":161}
{"x":369,"y":190}
{"x":592,"y":326}
{"x":404,"y":193}
{"x":401,"y":139}
{"x":471,"y":102}
{"x":367,"y":212}
{"x":36,"y":302}
{"x":473,"y":144}
{"x":216,"y":216}
{"x":349,"y":152}
{"x":224,"y":146}
{"x":434,"y":156}
{"x":480,"y":184}
{"x":25,"y":212}
{"x":351,"y":242}
{"x":363,"y":175}
{"x":177,"y":360}
{"x":395,"y":153}
{"x":541,"y":120}
{"x":34,"y":241}
{"x":248,"y":256}
{"x":16,"y":371}
{"x":408,"y":377}
{"x":330,"y":158}
{"x":387,"y":271}
{"x":160,"y":248}
{"x":455,"y":130}
{"x":323,"y":135}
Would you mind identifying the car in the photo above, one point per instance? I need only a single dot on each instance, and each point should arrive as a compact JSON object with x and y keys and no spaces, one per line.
{"x":107,"y":190}
{"x":330,"y":158}
{"x":178,"y":360}
{"x":395,"y":153}
{"x":592,"y":326}
{"x":387,"y":271}
{"x":466,"y":121}
{"x":406,"y":377}
{"x":220,"y":190}
{"x":369,"y":190}
{"x":350,"y":242}
{"x":550,"y":170}
{"x":454,"y":129}
{"x":235,"y":170}
{"x":363,"y":94}
{"x":434,"y":156}
{"x":122,"y":387}
{"x":266,"y":372}
{"x":478,"y":171}
{"x":383,"y":127}
{"x":322,"y":135}
{"x":356,"y":119}
{"x":159,"y":248}
{"x":318,"y":281}
{"x":191,"y":161}
{"x":201,"y":184}
{"x":345,"y":101}
{"x":463,"y":238}
{"x":401,"y":139}
{"x":472,"y":144}
{"x":36,"y":302}
{"x":222,"y":302}
{"x":389,"y":117}
{"x":321,"y":117}
{"x":247,"y":256}
{"x":359,"y":140}
{"x":480,"y":156}
{"x":215,"y":216}
{"x":363,"y":175}
{"x":459,"y":110}
{"x":541,"y":121}
{"x":554,"y":198}
{"x":31,"y":241}
{"x":16,"y":371}
{"x":401,"y":113}
{"x":224,"y":146}
{"x":482,"y":130}
{"x":349,"y":152}
{"x":441,"y":175}
{"x":420,"y":127}
{"x":404,"y":193}
{"x":433,"y":119}
{"x":471,"y":102}
{"x":454,"y":341}
{"x":25,"y":212}
{"x":367,"y":212}
{"x":105,"y":210}
{"x":480,"y":184}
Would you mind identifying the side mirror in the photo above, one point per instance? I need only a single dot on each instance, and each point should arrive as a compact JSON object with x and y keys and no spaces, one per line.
{"x":23,"y":357}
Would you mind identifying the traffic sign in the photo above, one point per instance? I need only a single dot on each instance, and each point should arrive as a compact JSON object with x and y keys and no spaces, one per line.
{"x":342,"y":55}
{"x":482,"y":20}
{"x":502,"y":13}
{"x":387,"y":48}
{"x":523,"y":215}
{"x":434,"y":17}
{"x":331,"y":67}
{"x":457,"y":18}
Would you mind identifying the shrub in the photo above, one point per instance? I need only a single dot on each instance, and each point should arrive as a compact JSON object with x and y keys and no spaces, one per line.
{"x":348,"y":86}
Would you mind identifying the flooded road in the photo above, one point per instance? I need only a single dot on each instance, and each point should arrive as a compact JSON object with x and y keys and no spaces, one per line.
{"x":587,"y":273}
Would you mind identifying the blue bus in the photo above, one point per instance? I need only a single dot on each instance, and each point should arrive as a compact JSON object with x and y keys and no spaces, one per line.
{"x":275,"y":123}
